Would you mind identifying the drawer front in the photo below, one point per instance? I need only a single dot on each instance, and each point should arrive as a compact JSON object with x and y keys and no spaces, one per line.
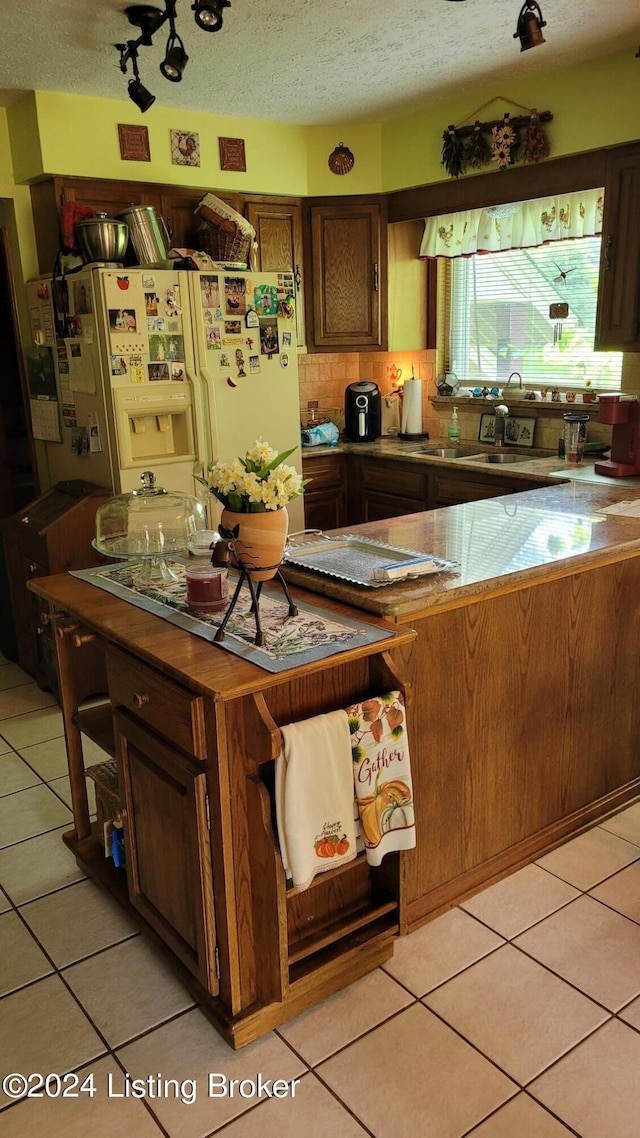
{"x":325,"y":472}
{"x":168,"y":708}
{"x":407,"y":482}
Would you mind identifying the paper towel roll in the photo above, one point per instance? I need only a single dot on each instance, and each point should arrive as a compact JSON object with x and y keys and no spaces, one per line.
{"x":412,"y":407}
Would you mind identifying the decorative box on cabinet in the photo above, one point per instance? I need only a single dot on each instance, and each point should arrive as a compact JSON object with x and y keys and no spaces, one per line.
{"x":52,"y":534}
{"x":347,"y":258}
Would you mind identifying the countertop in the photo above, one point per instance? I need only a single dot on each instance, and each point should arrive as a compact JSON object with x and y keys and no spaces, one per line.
{"x":497,"y":544}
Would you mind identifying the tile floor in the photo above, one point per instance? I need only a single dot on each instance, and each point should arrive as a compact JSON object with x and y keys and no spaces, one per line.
{"x":516,"y":1015}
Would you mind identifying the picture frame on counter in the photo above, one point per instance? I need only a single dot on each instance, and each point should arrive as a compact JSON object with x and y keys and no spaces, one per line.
{"x":518,"y":429}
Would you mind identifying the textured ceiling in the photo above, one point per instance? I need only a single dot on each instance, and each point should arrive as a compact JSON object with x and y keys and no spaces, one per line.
{"x":308,"y":61}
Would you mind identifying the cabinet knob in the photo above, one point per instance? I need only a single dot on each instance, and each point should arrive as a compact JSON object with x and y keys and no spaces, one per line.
{"x":33,"y":569}
{"x":66,"y":629}
{"x":82,"y":638}
{"x":140,"y":699}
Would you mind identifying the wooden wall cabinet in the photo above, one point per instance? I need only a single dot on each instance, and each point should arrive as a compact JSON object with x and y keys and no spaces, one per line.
{"x":618,"y":312}
{"x":278,"y":226}
{"x":347,"y":263}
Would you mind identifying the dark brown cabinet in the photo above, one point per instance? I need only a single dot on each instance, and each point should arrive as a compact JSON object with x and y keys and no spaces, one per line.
{"x":325,"y":498}
{"x":278,"y":226}
{"x":347,"y":257}
{"x":452,"y":487}
{"x":618,"y":313}
{"x":386,"y":489}
{"x":52,"y":534}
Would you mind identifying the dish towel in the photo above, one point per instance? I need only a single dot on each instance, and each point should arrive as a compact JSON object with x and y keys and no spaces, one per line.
{"x":314,"y":797}
{"x":382,"y":775}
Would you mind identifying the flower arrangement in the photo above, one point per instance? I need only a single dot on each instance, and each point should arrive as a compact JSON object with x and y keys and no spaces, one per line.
{"x":258,"y":482}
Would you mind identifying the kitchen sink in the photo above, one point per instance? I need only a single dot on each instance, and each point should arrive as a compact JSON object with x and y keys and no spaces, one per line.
{"x":447,"y":452}
{"x":506,"y":457}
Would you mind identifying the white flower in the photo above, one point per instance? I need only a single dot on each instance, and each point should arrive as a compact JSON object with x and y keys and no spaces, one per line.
{"x":261,"y":453}
{"x":255,"y":489}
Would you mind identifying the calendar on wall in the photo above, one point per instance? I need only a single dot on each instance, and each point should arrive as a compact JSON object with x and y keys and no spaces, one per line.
{"x":43,"y":394}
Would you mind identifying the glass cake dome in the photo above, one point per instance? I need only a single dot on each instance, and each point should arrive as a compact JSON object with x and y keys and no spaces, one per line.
{"x":149,"y":525}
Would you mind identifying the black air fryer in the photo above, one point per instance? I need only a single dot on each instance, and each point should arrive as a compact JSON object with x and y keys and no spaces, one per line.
{"x":362,"y":412}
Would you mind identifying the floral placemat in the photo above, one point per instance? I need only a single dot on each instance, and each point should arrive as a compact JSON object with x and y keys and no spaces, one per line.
{"x":289,"y":641}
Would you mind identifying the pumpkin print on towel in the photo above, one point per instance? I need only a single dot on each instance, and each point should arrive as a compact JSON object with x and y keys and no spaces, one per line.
{"x":380,"y":757}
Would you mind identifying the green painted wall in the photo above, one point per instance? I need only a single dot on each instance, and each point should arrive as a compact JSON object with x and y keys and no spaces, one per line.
{"x":79,"y":137}
{"x":365,"y":142}
{"x":594,"y":104}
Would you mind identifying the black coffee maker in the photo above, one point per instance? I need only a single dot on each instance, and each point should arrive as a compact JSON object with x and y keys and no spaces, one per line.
{"x":362,"y":412}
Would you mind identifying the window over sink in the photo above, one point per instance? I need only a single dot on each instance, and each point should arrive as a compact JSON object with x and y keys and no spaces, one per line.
{"x":520,"y":293}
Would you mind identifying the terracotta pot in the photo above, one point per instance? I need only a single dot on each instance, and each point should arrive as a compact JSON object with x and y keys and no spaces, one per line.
{"x":260,"y":543}
{"x":589,"y":396}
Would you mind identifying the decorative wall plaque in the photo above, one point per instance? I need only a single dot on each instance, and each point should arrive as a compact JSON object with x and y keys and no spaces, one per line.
{"x":134,"y":143}
{"x":232,"y":156}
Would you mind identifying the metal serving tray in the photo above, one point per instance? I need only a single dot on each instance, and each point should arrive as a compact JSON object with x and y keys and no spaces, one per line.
{"x":353,"y":559}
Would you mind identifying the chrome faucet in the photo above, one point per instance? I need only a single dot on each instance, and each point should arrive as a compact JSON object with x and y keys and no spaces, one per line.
{"x":511,"y":377}
{"x":500,"y":415}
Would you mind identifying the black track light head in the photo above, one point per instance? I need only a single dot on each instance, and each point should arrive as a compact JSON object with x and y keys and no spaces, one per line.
{"x":175,"y":60}
{"x":209,"y":14}
{"x":530,"y":25}
{"x":139,"y":95}
{"x":146,"y":18}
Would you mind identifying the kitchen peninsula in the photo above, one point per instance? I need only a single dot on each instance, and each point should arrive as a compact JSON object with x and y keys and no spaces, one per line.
{"x":523,"y":725}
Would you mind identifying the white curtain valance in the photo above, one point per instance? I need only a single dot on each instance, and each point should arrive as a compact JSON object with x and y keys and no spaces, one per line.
{"x":516,"y":226}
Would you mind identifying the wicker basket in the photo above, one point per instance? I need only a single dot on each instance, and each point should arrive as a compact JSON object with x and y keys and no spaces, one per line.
{"x":221,"y":245}
{"x":108,"y":797}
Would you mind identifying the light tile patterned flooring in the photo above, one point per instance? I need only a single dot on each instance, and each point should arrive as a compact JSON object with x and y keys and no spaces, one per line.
{"x":516,"y":1015}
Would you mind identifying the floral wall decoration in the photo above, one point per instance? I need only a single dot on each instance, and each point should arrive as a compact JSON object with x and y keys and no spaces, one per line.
{"x":504,"y":141}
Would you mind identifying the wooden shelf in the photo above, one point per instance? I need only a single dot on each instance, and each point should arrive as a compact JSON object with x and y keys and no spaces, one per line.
{"x":330,"y":874}
{"x":337,"y":930}
{"x":97,"y":724}
{"x":370,"y":938}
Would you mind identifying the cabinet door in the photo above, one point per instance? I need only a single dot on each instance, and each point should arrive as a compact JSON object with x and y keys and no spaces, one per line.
{"x":107,"y":196}
{"x":325,"y":499}
{"x":278,"y":227}
{"x":618,"y":313}
{"x":349,"y":264}
{"x":167,"y":845}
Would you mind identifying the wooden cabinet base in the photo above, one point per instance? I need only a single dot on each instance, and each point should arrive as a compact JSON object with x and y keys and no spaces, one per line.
{"x":366,"y":950}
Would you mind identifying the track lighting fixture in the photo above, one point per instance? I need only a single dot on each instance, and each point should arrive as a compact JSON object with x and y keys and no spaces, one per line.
{"x":175,"y":59}
{"x":208,"y":16}
{"x":530,"y":25}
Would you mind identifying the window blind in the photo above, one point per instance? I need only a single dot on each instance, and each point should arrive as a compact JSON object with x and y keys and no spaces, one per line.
{"x":501,"y":318}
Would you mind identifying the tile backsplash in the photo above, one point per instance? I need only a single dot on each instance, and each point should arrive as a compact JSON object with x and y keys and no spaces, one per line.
{"x":323,"y":378}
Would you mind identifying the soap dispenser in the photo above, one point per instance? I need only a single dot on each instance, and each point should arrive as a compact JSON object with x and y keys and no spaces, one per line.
{"x":454,"y":427}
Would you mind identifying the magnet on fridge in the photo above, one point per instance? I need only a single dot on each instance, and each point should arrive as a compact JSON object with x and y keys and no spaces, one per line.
{"x":251,"y":319}
{"x":286,"y":308}
{"x":284,"y":360}
{"x":224,"y":360}
{"x":230,"y":382}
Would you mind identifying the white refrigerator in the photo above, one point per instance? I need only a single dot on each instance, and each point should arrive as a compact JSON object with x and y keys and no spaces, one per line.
{"x":244,"y":339}
{"x":164,"y":370}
